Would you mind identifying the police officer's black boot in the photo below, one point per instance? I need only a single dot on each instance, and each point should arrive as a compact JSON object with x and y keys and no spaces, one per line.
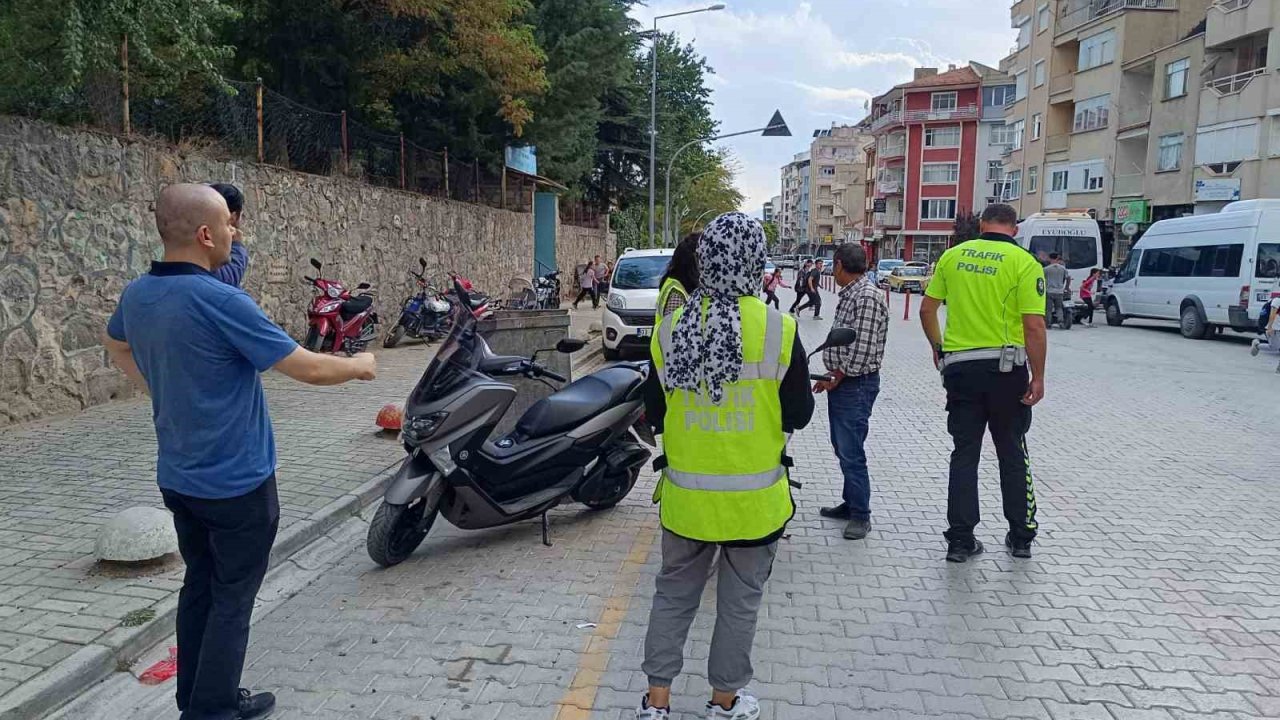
{"x":1017,"y":548}
{"x":959,"y":551}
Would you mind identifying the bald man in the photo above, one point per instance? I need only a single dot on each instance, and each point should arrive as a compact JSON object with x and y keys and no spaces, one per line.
{"x":197,"y":345}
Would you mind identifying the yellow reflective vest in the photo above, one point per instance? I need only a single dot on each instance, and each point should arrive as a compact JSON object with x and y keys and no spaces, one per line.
{"x":669,"y":286}
{"x":724,"y":480}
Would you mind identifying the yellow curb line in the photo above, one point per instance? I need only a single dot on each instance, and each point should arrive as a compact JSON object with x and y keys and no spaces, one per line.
{"x":577,"y":701}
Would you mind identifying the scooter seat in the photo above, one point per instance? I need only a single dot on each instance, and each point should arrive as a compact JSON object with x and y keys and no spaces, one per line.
{"x":578,"y":401}
{"x":355,"y":306}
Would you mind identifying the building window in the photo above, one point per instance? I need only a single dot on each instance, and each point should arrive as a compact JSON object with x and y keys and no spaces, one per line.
{"x":1002,"y":134}
{"x":828,"y":170}
{"x":1037,"y":125}
{"x":1170,"y":152}
{"x":1275,"y":136}
{"x":1097,"y":50}
{"x":1039,"y":73}
{"x":998,"y":95}
{"x":1087,"y":176}
{"x":1058,"y":181}
{"x":940,"y":173}
{"x":1092,"y":114}
{"x":1033,"y":180}
{"x":1043,"y":17}
{"x":1013,"y":185}
{"x":948,"y":136}
{"x":934,"y":209}
{"x":1175,"y":78}
{"x":1019,"y":129}
{"x":1228,"y":142}
{"x":1019,"y":85}
{"x":995,"y":170}
{"x":942,"y":101}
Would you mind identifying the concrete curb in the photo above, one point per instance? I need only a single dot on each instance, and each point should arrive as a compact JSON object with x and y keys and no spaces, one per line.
{"x":92,"y":663}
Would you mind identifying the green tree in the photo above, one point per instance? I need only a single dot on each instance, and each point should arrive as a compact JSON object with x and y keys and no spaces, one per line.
{"x":771,"y":233}
{"x":56,"y":55}
{"x":591,"y":47}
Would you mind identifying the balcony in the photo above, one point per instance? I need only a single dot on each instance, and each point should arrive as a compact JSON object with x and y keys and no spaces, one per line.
{"x":1057,"y":143}
{"x":993,"y":112}
{"x":1133,"y":117}
{"x":1232,"y":84}
{"x":889,"y":186}
{"x":1230,"y":20}
{"x":1127,"y":185}
{"x":890,"y":118}
{"x":1079,"y":12}
{"x":1061,"y":84}
{"x":966,"y":112}
{"x":893,"y":151}
{"x":889,"y":219}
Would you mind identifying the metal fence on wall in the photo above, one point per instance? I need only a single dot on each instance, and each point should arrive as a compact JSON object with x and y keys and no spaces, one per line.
{"x":250,"y":121}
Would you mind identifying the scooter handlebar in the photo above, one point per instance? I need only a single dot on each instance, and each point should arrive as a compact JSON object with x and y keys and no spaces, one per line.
{"x":551,"y":374}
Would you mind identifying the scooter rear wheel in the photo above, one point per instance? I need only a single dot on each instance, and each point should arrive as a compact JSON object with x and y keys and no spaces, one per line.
{"x":620,"y":487}
{"x":398,"y":530}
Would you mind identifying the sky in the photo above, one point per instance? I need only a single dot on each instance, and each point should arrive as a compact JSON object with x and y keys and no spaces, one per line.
{"x":818,"y":61}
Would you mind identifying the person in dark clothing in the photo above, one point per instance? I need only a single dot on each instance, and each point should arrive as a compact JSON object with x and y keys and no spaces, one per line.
{"x":588,"y":282}
{"x":813,"y":290}
{"x":802,"y":285}
{"x":233,"y":272}
{"x":992,"y":359}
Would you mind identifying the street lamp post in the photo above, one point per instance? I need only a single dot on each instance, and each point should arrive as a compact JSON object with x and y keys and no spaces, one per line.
{"x":777,"y":127}
{"x":653,"y":113}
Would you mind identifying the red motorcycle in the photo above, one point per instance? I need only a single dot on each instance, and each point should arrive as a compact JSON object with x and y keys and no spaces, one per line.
{"x":480,"y":304}
{"x":338,"y":320}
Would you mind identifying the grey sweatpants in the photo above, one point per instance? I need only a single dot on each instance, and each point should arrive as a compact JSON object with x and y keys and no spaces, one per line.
{"x":1055,"y":308}
{"x":686,"y":567}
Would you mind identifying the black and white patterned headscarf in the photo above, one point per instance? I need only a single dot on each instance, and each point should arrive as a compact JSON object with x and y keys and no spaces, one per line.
{"x":706,"y":348}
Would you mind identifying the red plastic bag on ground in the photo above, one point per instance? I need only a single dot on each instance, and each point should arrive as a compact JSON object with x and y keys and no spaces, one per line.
{"x":161,"y":671}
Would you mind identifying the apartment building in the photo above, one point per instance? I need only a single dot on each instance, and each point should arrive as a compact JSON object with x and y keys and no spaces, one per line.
{"x":927,"y":135}
{"x":838,"y":191}
{"x":1237,"y":142}
{"x":766,"y":214}
{"x":1103,"y":89}
{"x":793,"y":219}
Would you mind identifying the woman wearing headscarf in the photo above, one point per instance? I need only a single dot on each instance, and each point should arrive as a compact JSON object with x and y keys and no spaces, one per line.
{"x":681,"y":277}
{"x":729,"y":382}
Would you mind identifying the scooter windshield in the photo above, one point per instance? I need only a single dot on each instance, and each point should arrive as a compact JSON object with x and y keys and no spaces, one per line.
{"x":454,"y":362}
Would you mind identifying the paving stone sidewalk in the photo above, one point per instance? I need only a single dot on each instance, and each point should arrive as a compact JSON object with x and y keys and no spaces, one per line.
{"x":61,"y":479}
{"x":1154,"y":593}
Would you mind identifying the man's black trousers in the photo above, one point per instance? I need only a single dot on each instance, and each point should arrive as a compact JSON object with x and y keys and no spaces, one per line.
{"x":226,"y":545}
{"x":979,"y":397}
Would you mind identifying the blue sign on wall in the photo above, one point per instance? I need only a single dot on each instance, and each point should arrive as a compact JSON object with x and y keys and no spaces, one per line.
{"x":523,"y":158}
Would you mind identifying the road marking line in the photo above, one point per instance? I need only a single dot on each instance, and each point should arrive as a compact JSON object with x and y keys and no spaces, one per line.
{"x":578,"y":699}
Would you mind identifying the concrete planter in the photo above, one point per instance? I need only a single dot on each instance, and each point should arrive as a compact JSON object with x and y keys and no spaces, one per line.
{"x":521,"y":332}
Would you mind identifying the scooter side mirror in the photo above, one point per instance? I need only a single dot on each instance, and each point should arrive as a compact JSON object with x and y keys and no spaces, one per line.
{"x":363,"y":286}
{"x":423,"y":263}
{"x":838,"y":337}
{"x":315,"y":263}
{"x":569,"y":346}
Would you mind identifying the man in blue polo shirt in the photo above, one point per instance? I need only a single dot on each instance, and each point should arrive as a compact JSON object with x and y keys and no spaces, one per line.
{"x":197,"y":346}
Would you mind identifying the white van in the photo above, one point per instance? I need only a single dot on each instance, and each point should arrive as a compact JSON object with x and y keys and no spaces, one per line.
{"x":633,"y":300}
{"x":1072,"y":234}
{"x":1204,"y":272}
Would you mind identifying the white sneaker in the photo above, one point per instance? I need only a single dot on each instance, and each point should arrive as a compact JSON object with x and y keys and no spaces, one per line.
{"x":745,"y":707}
{"x":645,"y":712}
{"x":1255,"y":347}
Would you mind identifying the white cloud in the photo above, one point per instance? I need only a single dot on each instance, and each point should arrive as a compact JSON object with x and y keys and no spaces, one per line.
{"x":831,"y":94}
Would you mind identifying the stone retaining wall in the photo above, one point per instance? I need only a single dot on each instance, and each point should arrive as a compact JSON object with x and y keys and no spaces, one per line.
{"x":76,"y":225}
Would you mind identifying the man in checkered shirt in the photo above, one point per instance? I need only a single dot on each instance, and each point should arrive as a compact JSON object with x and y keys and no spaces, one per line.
{"x":854,"y":383}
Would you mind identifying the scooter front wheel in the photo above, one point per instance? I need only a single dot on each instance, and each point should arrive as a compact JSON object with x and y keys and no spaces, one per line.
{"x":398,"y":530}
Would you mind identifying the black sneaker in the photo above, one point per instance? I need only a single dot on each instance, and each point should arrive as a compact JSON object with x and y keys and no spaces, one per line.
{"x":1017,"y":548}
{"x":839,"y":512}
{"x":857,"y":529}
{"x":255,"y":706}
{"x":958,"y":552}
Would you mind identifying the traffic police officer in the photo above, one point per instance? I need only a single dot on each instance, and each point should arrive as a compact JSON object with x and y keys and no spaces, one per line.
{"x":729,"y":381}
{"x":995,"y":295}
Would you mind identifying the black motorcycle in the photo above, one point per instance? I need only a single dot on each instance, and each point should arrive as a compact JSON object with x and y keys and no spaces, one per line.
{"x":425,"y":315}
{"x":577,"y":444}
{"x":546,"y":290}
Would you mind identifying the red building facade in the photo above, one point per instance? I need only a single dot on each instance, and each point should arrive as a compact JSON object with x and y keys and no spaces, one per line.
{"x":927,"y":135}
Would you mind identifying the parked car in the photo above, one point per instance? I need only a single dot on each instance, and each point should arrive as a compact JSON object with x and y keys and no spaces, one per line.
{"x":880,"y":275}
{"x":633,"y":301}
{"x":912,"y":278}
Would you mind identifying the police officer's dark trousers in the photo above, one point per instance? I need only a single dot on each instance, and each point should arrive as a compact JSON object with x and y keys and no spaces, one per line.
{"x":980,"y":397}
